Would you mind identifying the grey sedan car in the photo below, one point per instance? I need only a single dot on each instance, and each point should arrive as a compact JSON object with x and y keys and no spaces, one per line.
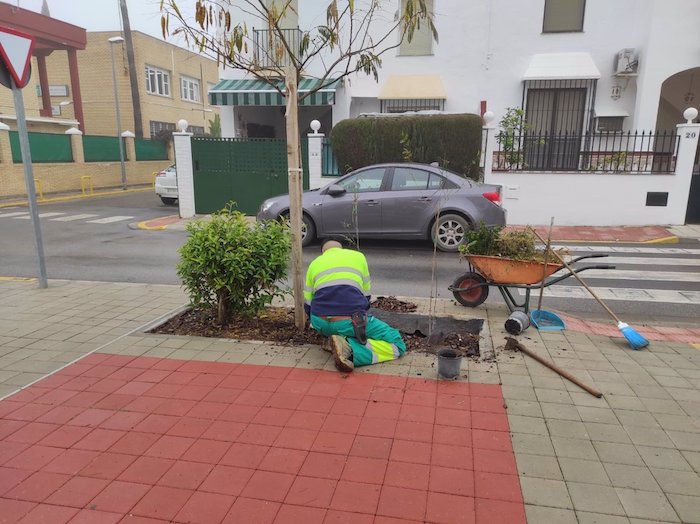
{"x":398,"y":201}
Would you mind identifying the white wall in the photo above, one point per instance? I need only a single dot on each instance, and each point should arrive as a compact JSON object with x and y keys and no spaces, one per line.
{"x":590,"y":200}
{"x":485,"y":47}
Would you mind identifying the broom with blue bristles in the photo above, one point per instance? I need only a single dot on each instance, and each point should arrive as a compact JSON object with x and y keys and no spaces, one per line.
{"x":634,"y":338}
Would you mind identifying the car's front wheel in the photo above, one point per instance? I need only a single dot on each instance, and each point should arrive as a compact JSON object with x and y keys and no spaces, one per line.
{"x":308,"y":229}
{"x":450,"y":231}
{"x":168,"y":201}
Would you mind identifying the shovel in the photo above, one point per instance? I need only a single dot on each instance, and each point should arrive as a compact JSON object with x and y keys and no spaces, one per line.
{"x":546,"y":320}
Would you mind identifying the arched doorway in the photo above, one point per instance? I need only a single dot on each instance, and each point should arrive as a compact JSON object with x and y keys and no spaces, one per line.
{"x":678,"y":92}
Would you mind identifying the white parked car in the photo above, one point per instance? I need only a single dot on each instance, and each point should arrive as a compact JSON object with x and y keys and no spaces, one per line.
{"x":166,"y":185}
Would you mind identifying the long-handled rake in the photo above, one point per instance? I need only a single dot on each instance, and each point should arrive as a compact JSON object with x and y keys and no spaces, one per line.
{"x":635,"y":339}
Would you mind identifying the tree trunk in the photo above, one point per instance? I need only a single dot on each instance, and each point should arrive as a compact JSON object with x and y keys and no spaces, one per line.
{"x":133,"y":74}
{"x":295,"y":191}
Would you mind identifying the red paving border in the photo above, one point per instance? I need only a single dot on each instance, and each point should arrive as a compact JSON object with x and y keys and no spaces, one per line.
{"x":121,"y":439}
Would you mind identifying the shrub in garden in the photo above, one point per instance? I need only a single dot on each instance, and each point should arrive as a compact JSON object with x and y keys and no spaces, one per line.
{"x":234,"y":267}
{"x":454,"y":141}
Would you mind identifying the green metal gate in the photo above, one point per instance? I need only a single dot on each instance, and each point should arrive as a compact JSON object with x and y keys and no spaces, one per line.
{"x":243,"y":170}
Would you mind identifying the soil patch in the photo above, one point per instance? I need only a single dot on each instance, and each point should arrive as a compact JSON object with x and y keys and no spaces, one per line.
{"x":277,"y":325}
{"x":393,"y":304}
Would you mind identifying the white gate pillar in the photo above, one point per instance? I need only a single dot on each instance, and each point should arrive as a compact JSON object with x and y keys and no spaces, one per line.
{"x":688,"y":134}
{"x":489,"y":145}
{"x":315,"y":156}
{"x":182,"y":144}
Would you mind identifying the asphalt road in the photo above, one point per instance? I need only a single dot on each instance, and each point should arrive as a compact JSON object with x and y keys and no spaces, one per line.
{"x":101,"y":246}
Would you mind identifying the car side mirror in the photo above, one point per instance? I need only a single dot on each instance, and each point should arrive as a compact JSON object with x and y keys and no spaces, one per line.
{"x":335,"y":190}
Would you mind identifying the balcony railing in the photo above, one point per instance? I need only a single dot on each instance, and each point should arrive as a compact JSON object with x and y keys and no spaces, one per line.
{"x":606,"y":152}
{"x":269,"y":49}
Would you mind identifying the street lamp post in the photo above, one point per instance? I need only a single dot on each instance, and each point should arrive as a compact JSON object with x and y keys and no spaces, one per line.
{"x":112,"y":41}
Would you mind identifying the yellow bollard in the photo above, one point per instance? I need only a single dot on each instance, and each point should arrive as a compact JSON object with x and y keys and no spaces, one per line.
{"x":86,"y":182}
{"x":39,"y":190}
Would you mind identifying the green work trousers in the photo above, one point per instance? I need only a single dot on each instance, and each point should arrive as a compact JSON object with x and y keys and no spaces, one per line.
{"x":383,"y":341}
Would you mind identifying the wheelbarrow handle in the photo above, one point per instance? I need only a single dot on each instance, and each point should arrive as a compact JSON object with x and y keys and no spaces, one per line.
{"x":584,"y":257}
{"x":599,"y":266}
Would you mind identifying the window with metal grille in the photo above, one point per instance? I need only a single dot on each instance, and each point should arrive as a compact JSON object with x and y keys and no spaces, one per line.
{"x":157,"y":127}
{"x":421,"y":43}
{"x":563,"y":16}
{"x":157,"y":81}
{"x":557,"y":115}
{"x":196,"y":130}
{"x":402,"y":106}
{"x":189,"y":89}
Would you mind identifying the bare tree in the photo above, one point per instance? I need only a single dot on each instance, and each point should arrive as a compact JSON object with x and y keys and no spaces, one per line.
{"x":352,"y":39}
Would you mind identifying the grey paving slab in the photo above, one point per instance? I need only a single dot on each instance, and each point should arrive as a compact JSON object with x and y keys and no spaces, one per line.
{"x":634,"y":477}
{"x":600,"y":518}
{"x":595,"y":498}
{"x":545,"y":492}
{"x":546,"y":515}
{"x":538,"y":466}
{"x":587,"y":471}
{"x":664,"y":458}
{"x":687,"y":507}
{"x":650,"y":505}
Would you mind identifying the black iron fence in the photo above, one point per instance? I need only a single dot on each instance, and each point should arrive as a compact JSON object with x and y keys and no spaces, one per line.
{"x":329,"y":165}
{"x":606,"y":152}
{"x":269,"y":46}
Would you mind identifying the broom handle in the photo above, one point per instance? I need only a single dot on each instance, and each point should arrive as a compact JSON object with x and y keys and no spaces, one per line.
{"x":561,"y":259}
{"x":546,"y":258}
{"x":554,"y":367}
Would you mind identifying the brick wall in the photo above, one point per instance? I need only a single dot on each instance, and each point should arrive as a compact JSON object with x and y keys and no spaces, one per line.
{"x":65,"y":177}
{"x":97,"y":88}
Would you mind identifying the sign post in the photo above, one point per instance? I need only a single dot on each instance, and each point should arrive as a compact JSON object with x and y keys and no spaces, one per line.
{"x":15,"y":56}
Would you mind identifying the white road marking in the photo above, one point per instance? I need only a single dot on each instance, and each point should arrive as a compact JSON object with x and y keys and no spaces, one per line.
{"x":71,"y":218}
{"x":620,"y":249}
{"x":109,"y":220}
{"x":42,"y":215}
{"x":657,"y":262}
{"x":629,"y":294}
{"x":15,"y":214}
{"x":623,"y":274}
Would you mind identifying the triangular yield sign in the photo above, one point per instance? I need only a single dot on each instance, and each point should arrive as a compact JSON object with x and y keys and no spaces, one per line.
{"x":16,"y":54}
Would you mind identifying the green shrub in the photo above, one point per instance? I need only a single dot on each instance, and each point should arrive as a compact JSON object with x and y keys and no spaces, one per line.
{"x":234,"y":267}
{"x":493,"y":241}
{"x":454,"y":141}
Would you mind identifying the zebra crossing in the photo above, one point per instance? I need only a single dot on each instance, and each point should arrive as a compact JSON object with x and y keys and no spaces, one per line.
{"x":10,"y":214}
{"x":643,"y":274}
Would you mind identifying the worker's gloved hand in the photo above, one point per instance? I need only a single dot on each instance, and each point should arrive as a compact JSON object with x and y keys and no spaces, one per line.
{"x":359,"y":325}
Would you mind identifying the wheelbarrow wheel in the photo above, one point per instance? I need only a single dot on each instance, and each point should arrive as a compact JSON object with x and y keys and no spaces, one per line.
{"x":472,"y":297}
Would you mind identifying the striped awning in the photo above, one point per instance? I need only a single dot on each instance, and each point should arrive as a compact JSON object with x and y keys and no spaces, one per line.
{"x":256,"y":92}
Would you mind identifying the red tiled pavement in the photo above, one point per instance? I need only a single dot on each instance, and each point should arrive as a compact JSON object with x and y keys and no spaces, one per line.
{"x":188,"y":441}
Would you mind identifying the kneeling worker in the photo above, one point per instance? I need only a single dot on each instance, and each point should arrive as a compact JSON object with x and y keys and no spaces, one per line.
{"x":336,"y":297}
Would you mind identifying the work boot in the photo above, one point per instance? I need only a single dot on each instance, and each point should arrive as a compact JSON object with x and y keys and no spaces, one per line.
{"x":342,"y":354}
{"x":359,"y":325}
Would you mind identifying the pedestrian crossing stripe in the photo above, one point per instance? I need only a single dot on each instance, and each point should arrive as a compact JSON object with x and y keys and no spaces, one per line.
{"x":71,"y":218}
{"x":624,"y":249}
{"x":62,"y":217}
{"x":109,"y":220}
{"x":629,"y":294}
{"x":624,"y":274}
{"x":42,"y":215}
{"x":646,"y":261}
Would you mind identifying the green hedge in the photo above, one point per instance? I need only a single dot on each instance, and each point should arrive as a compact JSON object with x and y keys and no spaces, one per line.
{"x":454,"y":141}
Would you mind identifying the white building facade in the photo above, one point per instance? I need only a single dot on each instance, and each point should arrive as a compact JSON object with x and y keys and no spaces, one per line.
{"x":572,"y":66}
